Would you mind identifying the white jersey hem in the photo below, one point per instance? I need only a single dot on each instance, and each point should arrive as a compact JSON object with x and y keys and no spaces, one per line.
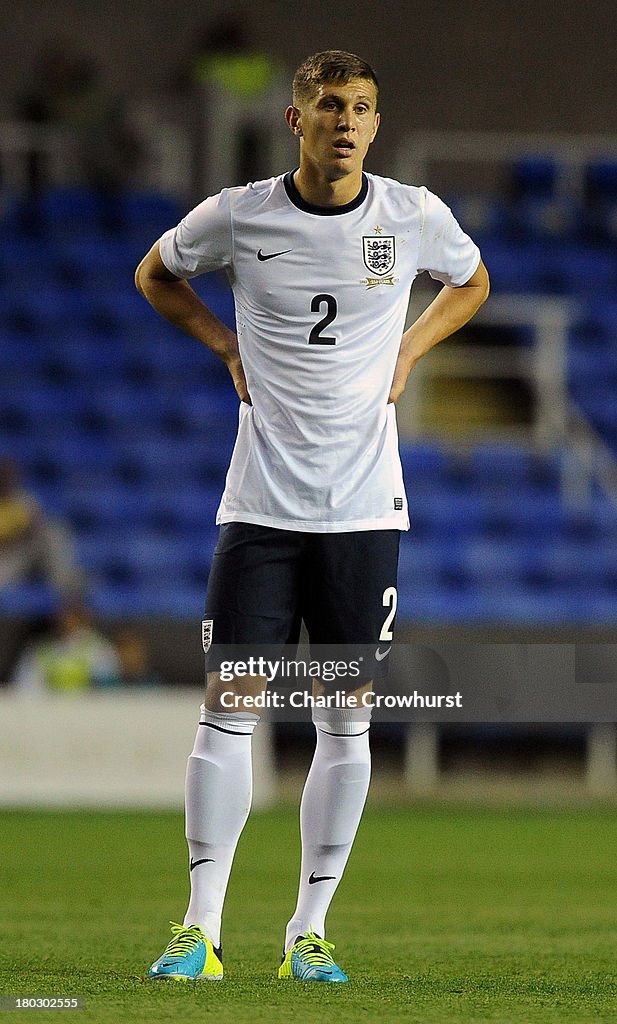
{"x":310,"y":526}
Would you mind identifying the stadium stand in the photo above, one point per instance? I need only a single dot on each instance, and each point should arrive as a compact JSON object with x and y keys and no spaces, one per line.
{"x":125,"y":427}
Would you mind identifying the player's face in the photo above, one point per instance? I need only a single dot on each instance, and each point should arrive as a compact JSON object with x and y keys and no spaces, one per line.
{"x":336,"y":126}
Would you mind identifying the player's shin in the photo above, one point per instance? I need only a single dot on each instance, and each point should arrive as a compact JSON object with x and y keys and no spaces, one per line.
{"x":218,"y":800}
{"x":332,"y":804}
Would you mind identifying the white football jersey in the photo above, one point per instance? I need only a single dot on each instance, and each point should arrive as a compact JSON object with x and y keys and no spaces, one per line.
{"x":321,"y":296}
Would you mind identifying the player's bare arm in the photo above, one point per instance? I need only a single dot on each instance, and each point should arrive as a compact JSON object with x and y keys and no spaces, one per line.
{"x":450,"y":310}
{"x":175,"y":300}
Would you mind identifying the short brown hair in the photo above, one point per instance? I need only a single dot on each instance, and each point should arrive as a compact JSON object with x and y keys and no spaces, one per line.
{"x":335,"y":66}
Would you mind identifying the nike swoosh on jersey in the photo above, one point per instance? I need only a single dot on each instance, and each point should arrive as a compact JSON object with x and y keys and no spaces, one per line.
{"x":262,"y":256}
{"x":380,"y":655}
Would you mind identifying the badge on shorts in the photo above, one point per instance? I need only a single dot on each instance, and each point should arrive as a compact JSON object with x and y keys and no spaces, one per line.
{"x":206,"y":634}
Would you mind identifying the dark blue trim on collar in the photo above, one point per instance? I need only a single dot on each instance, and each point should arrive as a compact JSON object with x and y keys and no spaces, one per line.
{"x":323,"y":211}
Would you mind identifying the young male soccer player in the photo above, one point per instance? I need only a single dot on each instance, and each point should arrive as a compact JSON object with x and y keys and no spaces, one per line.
{"x":321,"y":261}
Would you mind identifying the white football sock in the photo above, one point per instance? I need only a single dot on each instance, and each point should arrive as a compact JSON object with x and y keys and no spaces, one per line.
{"x":330,"y":812}
{"x":218,"y":801}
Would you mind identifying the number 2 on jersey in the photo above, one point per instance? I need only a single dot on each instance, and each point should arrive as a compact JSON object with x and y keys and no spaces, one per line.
{"x":316,"y":337}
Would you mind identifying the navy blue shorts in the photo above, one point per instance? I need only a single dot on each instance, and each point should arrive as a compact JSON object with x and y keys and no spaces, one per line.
{"x":265,"y":582}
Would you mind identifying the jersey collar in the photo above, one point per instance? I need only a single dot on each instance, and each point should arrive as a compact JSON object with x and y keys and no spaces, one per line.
{"x":323,"y":211}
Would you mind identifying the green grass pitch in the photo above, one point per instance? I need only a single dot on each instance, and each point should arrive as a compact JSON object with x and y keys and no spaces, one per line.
{"x":458,"y":915}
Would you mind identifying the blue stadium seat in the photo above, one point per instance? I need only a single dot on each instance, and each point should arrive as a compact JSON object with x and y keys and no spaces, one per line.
{"x":588,"y":364}
{"x":428,"y":562}
{"x":213,"y":415}
{"x":571,"y":562}
{"x":501,"y":562}
{"x":513,"y":268}
{"x":22,"y":447}
{"x":495,"y":463}
{"x":20,"y":360}
{"x":70,"y":208}
{"x":597,"y":321}
{"x":98,"y":252}
{"x":600,"y":405}
{"x":121,"y":310}
{"x":596,"y":522}
{"x":122,"y":407}
{"x":28,"y":600}
{"x":482,"y":216}
{"x":74,"y":460}
{"x":525,"y":605}
{"x":599,"y":606}
{"x":439,"y":606}
{"x":601,"y":219}
{"x":43,"y":409}
{"x":107,"y":505}
{"x":580,"y":270}
{"x":137,"y":556}
{"x":120,"y":601}
{"x":146,"y":571}
{"x":216,"y":293}
{"x":170,"y":459}
{"x":19,"y":252}
{"x":44,"y":308}
{"x":526,"y":513}
{"x":601,"y":179}
{"x":176,"y":359}
{"x":546,"y":218}
{"x":79,"y":359}
{"x":534,"y":176}
{"x":150,"y":210}
{"x":422,"y":460}
{"x":432,"y":517}
{"x":189,"y":510}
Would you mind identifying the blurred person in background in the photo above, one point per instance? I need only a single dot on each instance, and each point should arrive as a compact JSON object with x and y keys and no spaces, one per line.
{"x":135,"y":660}
{"x":321,"y":262}
{"x":223,"y":70}
{"x":72,"y":657}
{"x":68,"y":93}
{"x":32,"y":546}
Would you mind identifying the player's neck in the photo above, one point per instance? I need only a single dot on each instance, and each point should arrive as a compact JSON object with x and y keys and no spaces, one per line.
{"x":316,"y":189}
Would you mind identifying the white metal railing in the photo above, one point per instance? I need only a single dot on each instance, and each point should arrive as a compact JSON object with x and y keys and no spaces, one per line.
{"x":225,"y":117}
{"x":21,"y":139}
{"x":423,"y":776}
{"x":166,"y":164}
{"x":572,"y":153}
{"x":557,"y":421}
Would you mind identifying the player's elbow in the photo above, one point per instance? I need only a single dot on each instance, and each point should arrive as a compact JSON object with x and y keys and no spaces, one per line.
{"x":141,"y":277}
{"x":484,"y":283}
{"x":150,"y":271}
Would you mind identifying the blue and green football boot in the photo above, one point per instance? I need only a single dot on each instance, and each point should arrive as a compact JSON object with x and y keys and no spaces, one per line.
{"x":310,"y":959}
{"x":190,"y":956}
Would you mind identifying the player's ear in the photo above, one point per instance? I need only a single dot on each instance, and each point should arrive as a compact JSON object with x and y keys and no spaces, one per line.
{"x":293,"y":118}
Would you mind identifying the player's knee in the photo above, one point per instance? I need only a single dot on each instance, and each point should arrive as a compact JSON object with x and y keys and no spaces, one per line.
{"x":342,"y":721}
{"x":234,"y":696}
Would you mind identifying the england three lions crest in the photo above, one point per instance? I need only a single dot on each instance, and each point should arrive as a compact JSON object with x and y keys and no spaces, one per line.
{"x":379,"y":253}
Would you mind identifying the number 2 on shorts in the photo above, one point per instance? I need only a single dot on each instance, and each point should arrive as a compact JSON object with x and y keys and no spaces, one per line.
{"x":388,"y":601}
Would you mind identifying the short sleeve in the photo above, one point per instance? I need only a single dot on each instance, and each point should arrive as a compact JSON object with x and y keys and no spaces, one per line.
{"x":446,"y":252}
{"x":202,"y":240}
